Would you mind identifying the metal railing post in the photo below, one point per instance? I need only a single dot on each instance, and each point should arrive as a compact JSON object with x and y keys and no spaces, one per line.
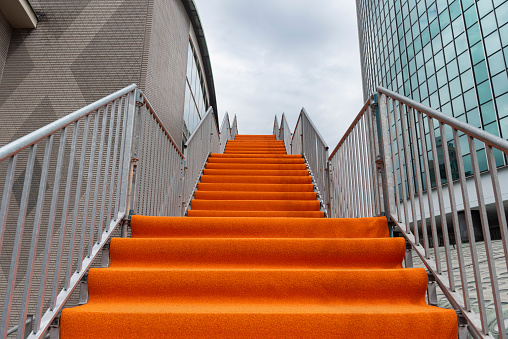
{"x":383,"y":159}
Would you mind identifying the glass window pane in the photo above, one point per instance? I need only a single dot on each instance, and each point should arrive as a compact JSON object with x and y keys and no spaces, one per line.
{"x":504,"y":128}
{"x":444,"y":95}
{"x":502,"y":14}
{"x":455,"y":88}
{"x":441,"y":77}
{"x":452,"y":69}
{"x":470,"y":17}
{"x":482,"y":160}
{"x":477,"y":53}
{"x":496,"y":63}
{"x":467,"y":80}
{"x":500,"y":84}
{"x":473,"y":34}
{"x":488,"y":24}
{"x":484,"y":94}
{"x":488,"y":113}
{"x":480,"y":72}
{"x":470,"y":100}
{"x":458,"y":106}
{"x":473,"y":118}
{"x":502,"y":106}
{"x":454,"y":10}
{"x":463,"y":61}
{"x":503,"y":32}
{"x":484,"y":7}
{"x":492,"y":44}
{"x":449,"y":52}
{"x":492,"y":129}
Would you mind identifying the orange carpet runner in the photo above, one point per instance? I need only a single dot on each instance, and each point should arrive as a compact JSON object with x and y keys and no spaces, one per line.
{"x":256,"y":259}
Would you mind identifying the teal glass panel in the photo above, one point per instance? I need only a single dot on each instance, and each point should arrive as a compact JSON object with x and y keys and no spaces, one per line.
{"x":455,"y":88}
{"x":473,"y":34}
{"x":480,"y":72}
{"x":436,"y":43}
{"x":425,"y":36}
{"x":496,"y":63}
{"x":423,"y":91}
{"x":468,"y":167}
{"x":421,"y":75}
{"x":505,"y":51}
{"x":458,"y":27}
{"x":500,"y":84}
{"x":441,"y":5}
{"x":489,"y":24}
{"x":439,"y":60}
{"x":434,"y":100}
{"x":452,"y":69}
{"x":432,"y":84}
{"x":488,"y":112}
{"x":462,"y":118}
{"x":444,"y":19}
{"x":419,"y":60}
{"x":447,"y":109}
{"x":449,"y":52}
{"x":454,"y":10}
{"x":444,"y":95}
{"x":492,"y":44}
{"x":482,"y":160}
{"x":502,"y":14}
{"x":421,"y":7}
{"x":503,"y":32}
{"x":458,"y":106}
{"x":484,"y":94}
{"x":461,"y":43}
{"x":467,"y":3}
{"x":447,"y":35}
{"x":427,"y":52}
{"x":484,"y":7}
{"x":412,"y":67}
{"x":504,"y":128}
{"x":467,"y":80}
{"x":473,"y":117}
{"x":492,"y":129}
{"x":463,"y":61}
{"x":414,"y":82}
{"x":470,"y":17}
{"x":464,"y":145}
{"x":432,"y":12}
{"x":477,"y":53}
{"x":442,"y":79}
{"x":429,"y":67}
{"x":502,"y":106}
{"x":434,"y":29}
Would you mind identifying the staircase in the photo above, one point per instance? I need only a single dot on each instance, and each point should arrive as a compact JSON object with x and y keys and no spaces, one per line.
{"x":256,"y":258}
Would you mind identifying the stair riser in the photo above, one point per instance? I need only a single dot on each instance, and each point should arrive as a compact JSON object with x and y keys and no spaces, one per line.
{"x":255,"y":205}
{"x":255,"y":187}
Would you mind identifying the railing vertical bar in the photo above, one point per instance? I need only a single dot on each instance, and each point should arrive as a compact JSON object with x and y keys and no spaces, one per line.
{"x":358,"y":167}
{"x":97,"y":180}
{"x":343,"y":183}
{"x":91,"y":164}
{"x":419,"y":184}
{"x":149,"y":180}
{"x":370,"y":165}
{"x":409,"y":170}
{"x":35,"y":238}
{"x":455,"y":217}
{"x":350,"y":179}
{"x":16,"y":250}
{"x":401,"y":167}
{"x":120,"y":177}
{"x":487,"y":239}
{"x":51,"y":224}
{"x":354,"y":174}
{"x":130,"y":118}
{"x":63,"y":224}
{"x":433,"y":226}
{"x":153,"y":168}
{"x":394,"y":163}
{"x":501,"y":216}
{"x":470,"y":233}
{"x":439,"y":188}
{"x":145,"y":140}
{"x":6,"y":196}
{"x":365,"y":179}
{"x":77,"y":200}
{"x":114,"y":169}
{"x":106,"y":170}
{"x":371,"y":113}
{"x":158,"y":176}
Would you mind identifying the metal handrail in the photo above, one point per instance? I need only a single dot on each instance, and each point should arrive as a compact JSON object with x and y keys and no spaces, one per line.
{"x":105,"y":152}
{"x":285,"y":133}
{"x":382,"y":163}
{"x":234,"y":128}
{"x":488,"y":138}
{"x":20,"y":144}
{"x":225,"y":132}
{"x":276,"y":128}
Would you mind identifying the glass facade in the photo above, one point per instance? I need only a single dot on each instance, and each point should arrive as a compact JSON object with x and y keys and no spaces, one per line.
{"x":451,"y":55}
{"x":196,"y":96}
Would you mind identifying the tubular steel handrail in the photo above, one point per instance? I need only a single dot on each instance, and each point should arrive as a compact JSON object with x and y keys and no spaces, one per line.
{"x":393,"y":164}
{"x":312,"y":146}
{"x":101,"y":153}
{"x":204,"y":140}
{"x":285,"y":133}
{"x":225,"y":132}
{"x":276,"y":128}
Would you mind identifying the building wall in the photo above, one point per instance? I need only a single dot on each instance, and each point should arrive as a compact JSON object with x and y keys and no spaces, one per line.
{"x":166,"y":62}
{"x":5,"y":39}
{"x":449,"y":55}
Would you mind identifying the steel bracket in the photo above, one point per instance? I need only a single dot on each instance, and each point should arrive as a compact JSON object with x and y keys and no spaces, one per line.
{"x":54,"y":328}
{"x":463,"y":332}
{"x":83,"y":290}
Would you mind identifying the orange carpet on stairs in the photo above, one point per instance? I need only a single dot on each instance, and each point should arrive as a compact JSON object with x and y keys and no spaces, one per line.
{"x":255,"y":258}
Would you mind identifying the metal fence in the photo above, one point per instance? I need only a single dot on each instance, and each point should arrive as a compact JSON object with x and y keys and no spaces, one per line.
{"x":438,"y":181}
{"x":285,"y":133}
{"x":276,"y":128}
{"x":225,"y":132}
{"x":307,"y":141}
{"x":355,"y":189}
{"x":67,"y":188}
{"x":204,"y":140}
{"x":234,"y":128}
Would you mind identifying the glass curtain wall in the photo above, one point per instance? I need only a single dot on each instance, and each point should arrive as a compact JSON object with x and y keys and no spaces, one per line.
{"x":196,"y":97}
{"x":451,"y":55}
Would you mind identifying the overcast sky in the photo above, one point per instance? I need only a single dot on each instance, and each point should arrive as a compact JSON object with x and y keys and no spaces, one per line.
{"x":270,"y":57}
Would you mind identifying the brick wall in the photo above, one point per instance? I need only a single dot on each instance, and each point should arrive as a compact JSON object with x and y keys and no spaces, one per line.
{"x":5,"y":38}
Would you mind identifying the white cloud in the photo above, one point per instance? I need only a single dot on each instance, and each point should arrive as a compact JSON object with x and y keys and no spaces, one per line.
{"x":276,"y":56}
